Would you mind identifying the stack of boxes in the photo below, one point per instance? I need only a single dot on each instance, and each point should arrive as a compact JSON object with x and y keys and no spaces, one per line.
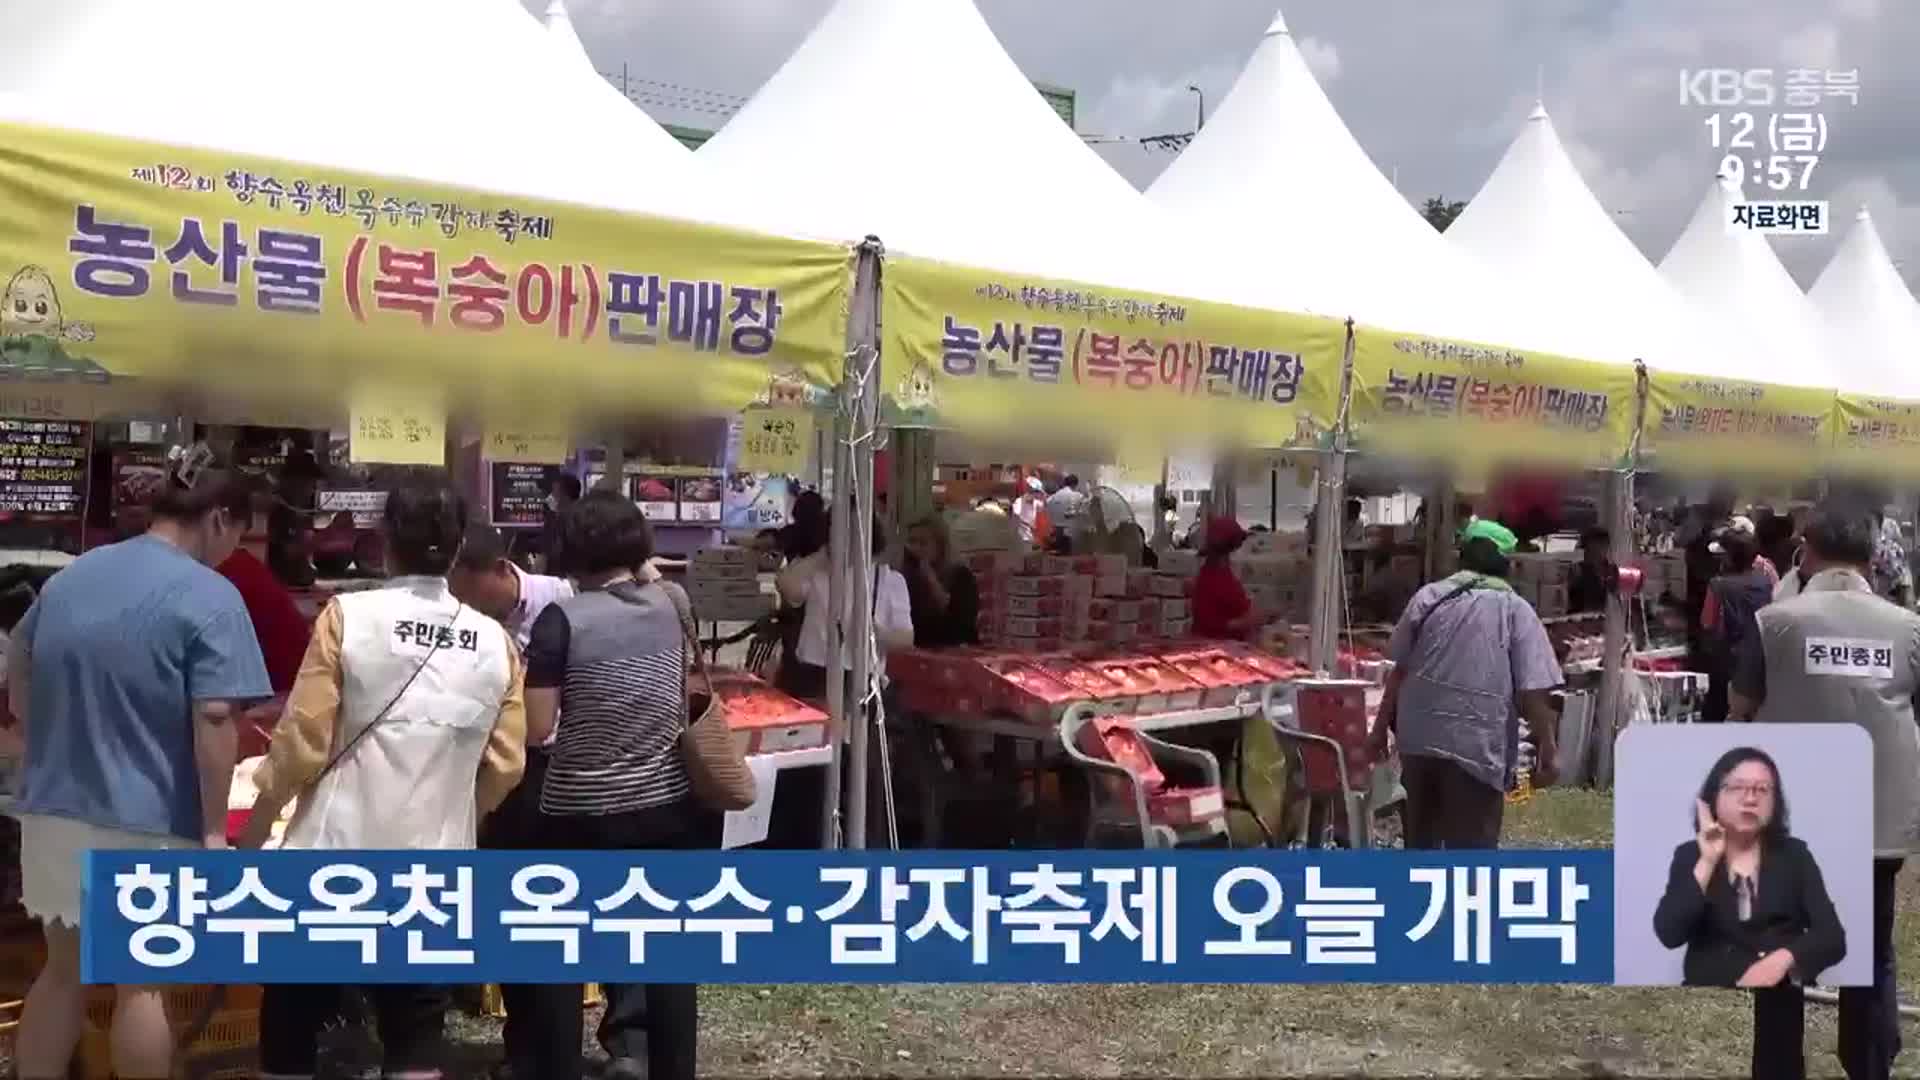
{"x":1666,"y":576}
{"x":724,"y":585}
{"x":1543,"y":580}
{"x":1037,"y":603}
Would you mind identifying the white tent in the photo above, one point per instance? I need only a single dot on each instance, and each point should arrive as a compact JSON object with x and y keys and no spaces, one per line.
{"x":630,"y":120}
{"x":909,"y":121}
{"x":443,"y":91}
{"x":1536,"y":219}
{"x":1735,"y":281}
{"x":1871,"y":321}
{"x":1276,"y":169}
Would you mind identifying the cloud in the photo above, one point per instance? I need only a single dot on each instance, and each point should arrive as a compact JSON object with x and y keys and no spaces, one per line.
{"x":1322,"y":57}
{"x":1439,"y":97}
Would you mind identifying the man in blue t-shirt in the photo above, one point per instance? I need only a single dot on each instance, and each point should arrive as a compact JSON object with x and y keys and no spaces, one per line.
{"x":128,"y":672}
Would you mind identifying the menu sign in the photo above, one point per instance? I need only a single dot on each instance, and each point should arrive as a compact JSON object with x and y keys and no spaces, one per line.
{"x":43,"y":467}
{"x":519,"y":494}
{"x":658,"y":496}
{"x":700,"y":500}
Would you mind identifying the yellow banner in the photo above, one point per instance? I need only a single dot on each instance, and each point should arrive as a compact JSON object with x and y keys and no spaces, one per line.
{"x":271,"y":278}
{"x":1699,"y":422}
{"x":1477,"y":405}
{"x":777,"y":441}
{"x":527,"y":445}
{"x":1877,"y":435}
{"x":985,"y":352}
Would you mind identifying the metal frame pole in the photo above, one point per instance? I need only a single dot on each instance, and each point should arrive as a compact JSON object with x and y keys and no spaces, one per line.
{"x":1610,"y":703}
{"x":862,"y":679}
{"x":845,"y":571}
{"x":1329,"y":562}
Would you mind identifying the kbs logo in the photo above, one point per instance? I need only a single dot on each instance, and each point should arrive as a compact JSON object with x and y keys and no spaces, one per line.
{"x":1724,"y":87}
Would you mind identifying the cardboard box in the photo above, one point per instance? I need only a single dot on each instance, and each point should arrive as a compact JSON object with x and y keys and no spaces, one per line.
{"x":1551,"y":601}
{"x":1024,"y":626}
{"x":1098,"y":565}
{"x":1183,"y":563}
{"x":726,"y":555}
{"x":1114,"y":585}
{"x":1168,"y":585}
{"x":1104,"y":609}
{"x":1185,"y":807}
{"x":1034,"y":646}
{"x":1033,"y":606}
{"x":1035,"y":585}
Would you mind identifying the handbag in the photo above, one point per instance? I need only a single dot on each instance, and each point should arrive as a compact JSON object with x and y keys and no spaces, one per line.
{"x":715,"y":763}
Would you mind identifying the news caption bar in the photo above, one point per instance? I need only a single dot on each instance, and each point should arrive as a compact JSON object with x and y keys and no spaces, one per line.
{"x":810,"y":917}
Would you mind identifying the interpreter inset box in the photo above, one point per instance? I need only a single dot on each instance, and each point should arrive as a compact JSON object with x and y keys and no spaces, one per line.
{"x":1784,"y":815}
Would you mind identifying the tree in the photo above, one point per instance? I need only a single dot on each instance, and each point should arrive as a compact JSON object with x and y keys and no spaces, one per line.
{"x":1440,"y":213}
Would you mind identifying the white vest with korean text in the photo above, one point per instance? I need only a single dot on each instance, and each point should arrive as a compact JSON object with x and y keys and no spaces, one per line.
{"x":1838,"y":654}
{"x":408,"y":783}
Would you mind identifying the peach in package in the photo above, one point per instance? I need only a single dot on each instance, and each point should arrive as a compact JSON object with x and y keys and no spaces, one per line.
{"x":1146,"y":696}
{"x":766,"y":721}
{"x":1088,"y":683}
{"x":1036,"y":585}
{"x":1222,"y":680}
{"x":1178,"y":691}
{"x":1114,"y":741}
{"x":1029,"y":693}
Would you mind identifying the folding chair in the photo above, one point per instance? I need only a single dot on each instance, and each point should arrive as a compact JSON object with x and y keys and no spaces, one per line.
{"x":1144,"y":802}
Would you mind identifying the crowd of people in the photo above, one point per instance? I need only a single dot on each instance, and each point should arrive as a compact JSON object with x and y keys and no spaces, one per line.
{"x":424,"y":713}
{"x":545,"y":709}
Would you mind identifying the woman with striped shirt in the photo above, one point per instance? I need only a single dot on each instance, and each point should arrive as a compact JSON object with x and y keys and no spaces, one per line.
{"x":613,"y":659}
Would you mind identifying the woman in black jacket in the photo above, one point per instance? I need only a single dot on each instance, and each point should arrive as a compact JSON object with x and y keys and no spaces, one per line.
{"x":1747,"y":900}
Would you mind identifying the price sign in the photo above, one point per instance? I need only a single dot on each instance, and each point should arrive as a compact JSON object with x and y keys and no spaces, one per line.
{"x":394,"y":429}
{"x":776,"y":441}
{"x":519,"y":492}
{"x":527,"y":444}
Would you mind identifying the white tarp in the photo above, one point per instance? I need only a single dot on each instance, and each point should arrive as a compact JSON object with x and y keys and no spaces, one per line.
{"x":1871,"y":321}
{"x":1735,"y":281}
{"x":908,"y":121}
{"x":1535,"y":218}
{"x":627,"y":119}
{"x":467,"y":92}
{"x":1276,"y":169}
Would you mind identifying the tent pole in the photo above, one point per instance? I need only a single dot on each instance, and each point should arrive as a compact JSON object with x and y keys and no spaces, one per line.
{"x":1329,"y":562}
{"x":1609,"y":706}
{"x":864,"y":374}
{"x":862,"y":326}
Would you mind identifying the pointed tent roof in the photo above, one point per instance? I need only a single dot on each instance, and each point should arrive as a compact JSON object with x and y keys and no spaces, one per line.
{"x":1735,"y":281}
{"x":910,"y":122}
{"x":1872,"y":321}
{"x":566,"y":40}
{"x":1276,"y":168}
{"x":1535,"y":218}
{"x":506,"y":135}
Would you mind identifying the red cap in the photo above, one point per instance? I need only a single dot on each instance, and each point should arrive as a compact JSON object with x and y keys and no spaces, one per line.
{"x":1224,"y":532}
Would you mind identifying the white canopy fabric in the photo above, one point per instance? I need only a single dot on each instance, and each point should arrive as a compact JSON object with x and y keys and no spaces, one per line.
{"x":446,"y":91}
{"x":1871,"y":321}
{"x":1734,"y":280}
{"x":630,"y":119}
{"x":908,"y":121}
{"x":1275,"y":168}
{"x":1536,"y":219}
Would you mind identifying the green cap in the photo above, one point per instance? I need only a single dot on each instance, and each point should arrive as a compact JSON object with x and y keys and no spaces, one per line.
{"x":1488,"y":529}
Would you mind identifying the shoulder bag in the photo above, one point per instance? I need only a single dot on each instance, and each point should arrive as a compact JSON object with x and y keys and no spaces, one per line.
{"x":715,"y":763}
